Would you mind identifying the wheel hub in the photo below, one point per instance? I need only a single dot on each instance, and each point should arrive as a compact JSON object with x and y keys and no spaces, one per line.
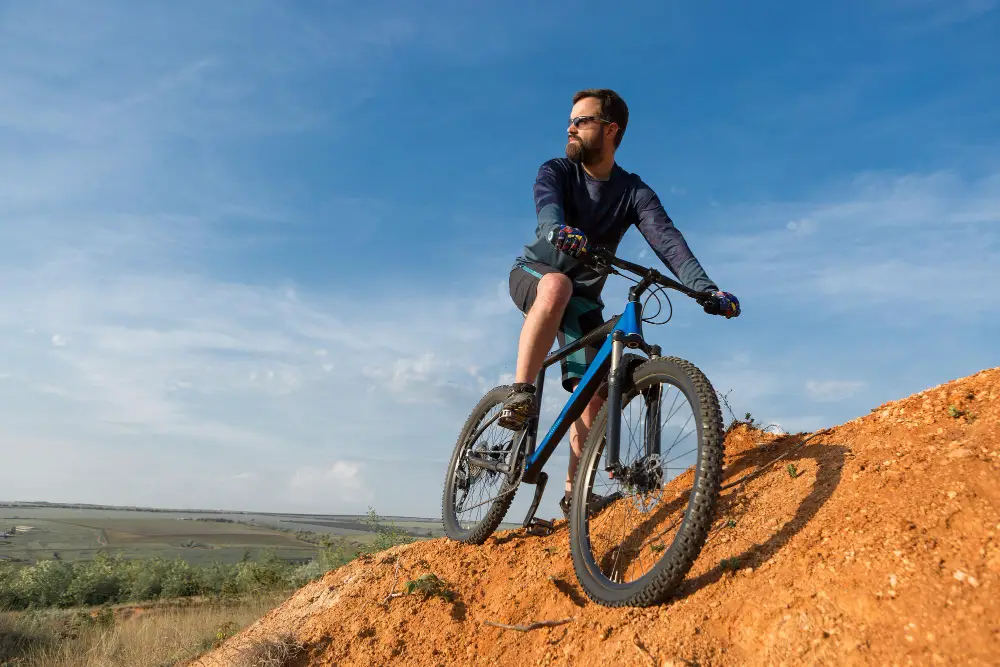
{"x":644,"y":476}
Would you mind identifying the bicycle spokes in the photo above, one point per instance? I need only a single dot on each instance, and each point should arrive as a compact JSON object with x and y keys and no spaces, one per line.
{"x":628,"y":536}
{"x":476,"y":484}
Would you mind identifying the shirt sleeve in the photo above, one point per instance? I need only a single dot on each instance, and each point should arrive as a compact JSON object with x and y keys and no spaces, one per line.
{"x":549,"y":189}
{"x":667,"y":241}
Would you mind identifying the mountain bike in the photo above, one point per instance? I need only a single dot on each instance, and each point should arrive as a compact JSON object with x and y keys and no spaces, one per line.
{"x":626,"y":510}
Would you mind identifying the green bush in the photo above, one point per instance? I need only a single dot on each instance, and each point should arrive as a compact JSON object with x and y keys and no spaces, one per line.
{"x":385,"y":536}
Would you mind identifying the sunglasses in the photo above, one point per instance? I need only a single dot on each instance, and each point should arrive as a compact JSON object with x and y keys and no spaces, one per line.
{"x":578,"y":120}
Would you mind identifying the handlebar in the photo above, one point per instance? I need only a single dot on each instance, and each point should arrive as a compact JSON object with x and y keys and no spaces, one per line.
{"x":599,"y":259}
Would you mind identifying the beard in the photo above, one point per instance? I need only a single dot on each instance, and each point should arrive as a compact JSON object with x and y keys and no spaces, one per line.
{"x":581,"y":151}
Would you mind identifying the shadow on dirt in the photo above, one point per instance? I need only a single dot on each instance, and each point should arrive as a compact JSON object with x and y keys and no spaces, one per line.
{"x":570,"y":591}
{"x":830,"y":462}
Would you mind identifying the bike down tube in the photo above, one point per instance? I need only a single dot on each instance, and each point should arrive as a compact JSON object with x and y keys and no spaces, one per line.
{"x":629,"y":324}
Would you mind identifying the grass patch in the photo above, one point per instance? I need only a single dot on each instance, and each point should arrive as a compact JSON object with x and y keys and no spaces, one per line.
{"x":730,"y":564}
{"x":276,"y":652}
{"x":155,"y":636}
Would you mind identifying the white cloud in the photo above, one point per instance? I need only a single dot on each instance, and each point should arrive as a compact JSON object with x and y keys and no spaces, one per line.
{"x":801,"y":227}
{"x":344,"y":474}
{"x":833,"y":390}
{"x":341,"y":484}
{"x":173,"y":361}
{"x":902,"y":242}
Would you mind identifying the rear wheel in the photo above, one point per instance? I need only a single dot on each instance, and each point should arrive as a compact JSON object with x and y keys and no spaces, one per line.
{"x":476,"y":499}
{"x":647,"y":521}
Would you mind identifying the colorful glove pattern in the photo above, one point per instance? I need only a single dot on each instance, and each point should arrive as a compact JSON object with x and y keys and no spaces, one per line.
{"x":571,"y":241}
{"x":725,"y":304}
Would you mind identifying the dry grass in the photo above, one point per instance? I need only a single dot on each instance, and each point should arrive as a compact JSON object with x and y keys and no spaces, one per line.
{"x":277,"y":652}
{"x":154,"y":637}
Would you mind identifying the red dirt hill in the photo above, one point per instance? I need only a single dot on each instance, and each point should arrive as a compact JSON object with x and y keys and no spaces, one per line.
{"x":884,"y":550}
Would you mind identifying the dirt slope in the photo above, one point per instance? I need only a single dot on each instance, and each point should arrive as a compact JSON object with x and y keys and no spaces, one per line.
{"x":885,"y":550}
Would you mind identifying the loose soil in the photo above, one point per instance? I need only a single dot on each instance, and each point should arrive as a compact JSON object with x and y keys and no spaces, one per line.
{"x":883,"y":549}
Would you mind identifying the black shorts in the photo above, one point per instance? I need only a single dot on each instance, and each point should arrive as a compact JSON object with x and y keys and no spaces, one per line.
{"x":582,"y":315}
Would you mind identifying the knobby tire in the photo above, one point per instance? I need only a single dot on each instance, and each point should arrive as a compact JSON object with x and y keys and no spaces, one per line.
{"x":668,"y":572}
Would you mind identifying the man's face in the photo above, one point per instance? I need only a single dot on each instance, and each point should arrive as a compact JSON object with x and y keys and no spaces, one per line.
{"x":586,"y":143}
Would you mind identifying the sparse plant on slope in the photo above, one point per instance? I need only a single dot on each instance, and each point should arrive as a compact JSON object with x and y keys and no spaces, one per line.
{"x":429,"y":585}
{"x":748,"y":418}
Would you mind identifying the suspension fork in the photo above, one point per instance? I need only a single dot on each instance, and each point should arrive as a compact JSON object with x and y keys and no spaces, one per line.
{"x":653,"y":431}
{"x":613,"y":429}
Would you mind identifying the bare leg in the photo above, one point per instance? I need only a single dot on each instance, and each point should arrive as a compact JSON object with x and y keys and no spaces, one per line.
{"x":578,"y":433}
{"x":541,"y":324}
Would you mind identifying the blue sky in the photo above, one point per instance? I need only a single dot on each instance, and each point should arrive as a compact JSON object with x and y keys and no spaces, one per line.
{"x":254,"y":256}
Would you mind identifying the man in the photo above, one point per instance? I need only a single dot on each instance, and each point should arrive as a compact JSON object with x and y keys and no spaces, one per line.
{"x":589,"y":201}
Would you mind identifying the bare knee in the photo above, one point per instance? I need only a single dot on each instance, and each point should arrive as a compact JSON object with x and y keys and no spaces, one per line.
{"x":553,"y":292}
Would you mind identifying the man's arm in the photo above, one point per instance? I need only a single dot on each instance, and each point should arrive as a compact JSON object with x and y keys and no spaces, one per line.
{"x":667,"y":242}
{"x":549,"y":200}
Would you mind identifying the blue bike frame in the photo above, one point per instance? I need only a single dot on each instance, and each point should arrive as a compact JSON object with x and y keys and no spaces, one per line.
{"x":619,"y":331}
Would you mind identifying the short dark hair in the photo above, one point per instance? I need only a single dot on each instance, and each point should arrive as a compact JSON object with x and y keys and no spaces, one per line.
{"x":613,"y":108}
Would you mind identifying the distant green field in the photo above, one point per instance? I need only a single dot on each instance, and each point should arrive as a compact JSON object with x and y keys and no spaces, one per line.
{"x":69,"y":533}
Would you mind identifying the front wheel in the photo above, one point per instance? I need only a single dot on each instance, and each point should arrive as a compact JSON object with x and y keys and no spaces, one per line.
{"x":647,"y":519}
{"x":476,"y":498}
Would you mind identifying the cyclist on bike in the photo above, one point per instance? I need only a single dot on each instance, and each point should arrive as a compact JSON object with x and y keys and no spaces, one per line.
{"x":589,"y":201}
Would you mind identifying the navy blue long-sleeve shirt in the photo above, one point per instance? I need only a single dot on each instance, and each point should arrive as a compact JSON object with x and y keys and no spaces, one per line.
{"x":565,"y":194}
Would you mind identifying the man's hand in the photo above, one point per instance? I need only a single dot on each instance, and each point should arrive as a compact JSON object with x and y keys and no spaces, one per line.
{"x":571,"y":241}
{"x":723,"y":303}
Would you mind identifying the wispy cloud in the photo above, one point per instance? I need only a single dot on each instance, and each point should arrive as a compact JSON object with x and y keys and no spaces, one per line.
{"x":918,"y":16}
{"x":339,"y":484}
{"x":833,"y":390}
{"x":901,"y":241}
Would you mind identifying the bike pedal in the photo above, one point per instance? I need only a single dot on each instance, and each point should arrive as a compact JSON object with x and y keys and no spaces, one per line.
{"x":540,"y":527}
